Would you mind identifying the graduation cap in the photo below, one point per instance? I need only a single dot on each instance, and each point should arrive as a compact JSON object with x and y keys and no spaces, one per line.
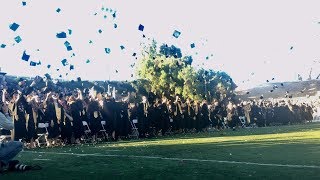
{"x":25,"y":56}
{"x":3,"y":45}
{"x":61,"y":35}
{"x":176,"y":34}
{"x":71,"y":67}
{"x":58,"y":10}
{"x":14,"y":26}
{"x":192,"y":45}
{"x":68,"y":46}
{"x":33,"y":63}
{"x":107,"y":50}
{"x":88,"y":61}
{"x":64,"y":62}
{"x":122,"y":47}
{"x":24,"y":3}
{"x":115,"y":25}
{"x":141,"y":27}
{"x":49,"y":66}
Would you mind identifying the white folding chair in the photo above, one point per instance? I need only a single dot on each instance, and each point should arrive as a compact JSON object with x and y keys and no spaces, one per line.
{"x":42,"y":137}
{"x":4,"y":138}
{"x":135,"y":132}
{"x":169,"y":131}
{"x":243,"y":121}
{"x":224,"y":123}
{"x":87,"y":131}
{"x":103,"y":130}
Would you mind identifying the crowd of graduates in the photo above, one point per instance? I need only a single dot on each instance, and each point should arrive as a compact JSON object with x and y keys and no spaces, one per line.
{"x":65,"y":112}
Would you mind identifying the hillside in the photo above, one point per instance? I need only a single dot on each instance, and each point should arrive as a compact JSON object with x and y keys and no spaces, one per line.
{"x":281,"y":90}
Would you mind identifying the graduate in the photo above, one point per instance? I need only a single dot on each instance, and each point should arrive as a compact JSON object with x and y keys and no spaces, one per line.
{"x":143,"y":117}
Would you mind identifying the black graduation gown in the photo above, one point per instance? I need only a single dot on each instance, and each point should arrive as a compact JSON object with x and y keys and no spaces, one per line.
{"x":40,"y":119}
{"x":95,"y":117}
{"x":165,"y":118}
{"x":50,"y":116}
{"x":125,"y":129}
{"x":143,"y":119}
{"x":31,"y":126}
{"x":76,"y":112}
{"x":197,"y":118}
{"x":64,"y":124}
{"x":108,"y":114}
{"x":20,"y":130}
{"x":177,"y":116}
{"x":204,"y":116}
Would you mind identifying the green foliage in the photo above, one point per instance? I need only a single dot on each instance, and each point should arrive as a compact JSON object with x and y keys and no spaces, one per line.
{"x":167,"y":73}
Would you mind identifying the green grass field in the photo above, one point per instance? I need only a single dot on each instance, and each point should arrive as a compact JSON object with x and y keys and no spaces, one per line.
{"x":286,"y":152}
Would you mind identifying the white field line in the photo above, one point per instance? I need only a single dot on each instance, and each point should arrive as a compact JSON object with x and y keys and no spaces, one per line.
{"x":181,"y":159}
{"x":42,"y":159}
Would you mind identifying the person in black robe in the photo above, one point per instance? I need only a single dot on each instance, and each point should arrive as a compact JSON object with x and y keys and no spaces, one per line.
{"x":188,"y":115}
{"x":109,"y":115}
{"x":19,"y":117}
{"x":76,"y":108}
{"x":214,"y":114}
{"x":64,"y":119}
{"x":197,"y":117}
{"x":165,"y":116}
{"x":51,"y":117}
{"x":94,"y":117}
{"x":204,"y":116}
{"x":157,"y":116}
{"x":124,"y":130}
{"x":31,"y":119}
{"x":231,"y":113}
{"x":133,"y":117}
{"x":177,"y":114}
{"x":255,"y":113}
{"x":143,"y":117}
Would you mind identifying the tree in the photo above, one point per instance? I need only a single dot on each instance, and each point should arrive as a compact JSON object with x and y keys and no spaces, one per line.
{"x":167,"y":73}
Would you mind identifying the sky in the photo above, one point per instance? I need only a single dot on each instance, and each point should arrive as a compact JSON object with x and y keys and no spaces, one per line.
{"x":253,"y":41}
